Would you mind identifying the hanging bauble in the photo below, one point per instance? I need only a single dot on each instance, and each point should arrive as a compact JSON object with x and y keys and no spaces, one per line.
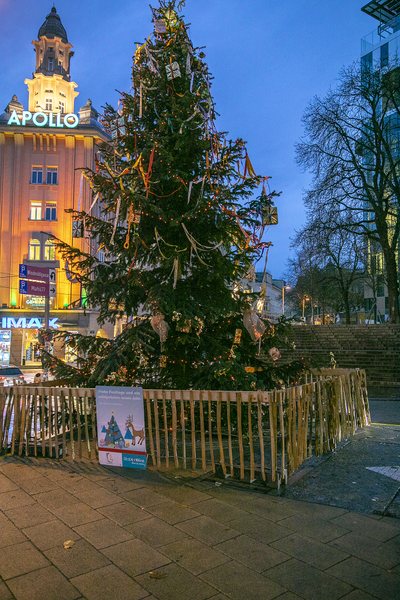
{"x":160,"y":326}
{"x":274,"y":354}
{"x":253,"y":324}
{"x":163,"y":361}
{"x":173,"y":71}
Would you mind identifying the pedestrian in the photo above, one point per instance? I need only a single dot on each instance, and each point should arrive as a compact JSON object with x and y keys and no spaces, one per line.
{"x":37,"y":378}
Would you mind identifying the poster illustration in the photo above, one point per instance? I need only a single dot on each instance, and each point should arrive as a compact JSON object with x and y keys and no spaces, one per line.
{"x":120,"y":427}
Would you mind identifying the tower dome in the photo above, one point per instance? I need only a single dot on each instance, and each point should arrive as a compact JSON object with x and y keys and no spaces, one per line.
{"x":52,"y":26}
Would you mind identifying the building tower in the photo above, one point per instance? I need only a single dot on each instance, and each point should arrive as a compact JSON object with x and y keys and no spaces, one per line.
{"x":380,"y":49}
{"x":43,"y":152}
{"x":51,"y":88}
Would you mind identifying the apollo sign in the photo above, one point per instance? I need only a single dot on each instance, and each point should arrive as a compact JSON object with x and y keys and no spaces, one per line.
{"x":41,"y":119}
{"x":26,"y":323}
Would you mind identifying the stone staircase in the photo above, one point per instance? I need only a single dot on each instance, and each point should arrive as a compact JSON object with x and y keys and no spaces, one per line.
{"x":375,"y":348}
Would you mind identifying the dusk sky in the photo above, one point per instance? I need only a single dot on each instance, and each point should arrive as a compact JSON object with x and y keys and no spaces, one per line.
{"x":268,"y":58}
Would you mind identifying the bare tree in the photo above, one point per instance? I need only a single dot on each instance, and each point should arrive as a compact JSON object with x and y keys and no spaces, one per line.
{"x":352,"y":147}
{"x":338,"y":255}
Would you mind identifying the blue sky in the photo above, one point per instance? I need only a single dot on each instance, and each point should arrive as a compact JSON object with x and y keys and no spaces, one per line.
{"x":268,"y":58}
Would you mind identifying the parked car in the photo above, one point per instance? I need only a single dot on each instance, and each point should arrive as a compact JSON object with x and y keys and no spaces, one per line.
{"x":10,"y":375}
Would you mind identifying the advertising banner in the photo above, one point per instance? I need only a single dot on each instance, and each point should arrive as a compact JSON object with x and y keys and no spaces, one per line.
{"x":121,"y":427}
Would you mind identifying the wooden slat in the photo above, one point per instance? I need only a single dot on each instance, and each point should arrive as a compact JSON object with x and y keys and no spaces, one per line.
{"x":71,"y":425}
{"x":283,"y":435}
{"x":193,"y":430}
{"x":22,"y":424}
{"x":228,"y":416}
{"x":250,"y":432}
{"x":42,"y":424}
{"x":174,"y":430}
{"x":56,"y":428}
{"x":86,"y":424}
{"x":210,"y":432}
{"x":202,"y":434}
{"x":240,"y":433}
{"x":64,"y":423}
{"x":150,"y":428}
{"x":219,"y":435}
{"x":261,"y":435}
{"x":165,"y":421}
{"x":183,"y":429}
{"x":272,"y":425}
{"x":157,"y":430}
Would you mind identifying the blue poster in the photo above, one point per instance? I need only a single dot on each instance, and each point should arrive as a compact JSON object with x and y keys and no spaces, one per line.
{"x":120,"y":427}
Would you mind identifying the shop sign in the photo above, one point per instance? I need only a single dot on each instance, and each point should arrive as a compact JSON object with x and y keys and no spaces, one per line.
{"x":27,"y":322}
{"x":41,"y":119}
{"x":121,"y":427}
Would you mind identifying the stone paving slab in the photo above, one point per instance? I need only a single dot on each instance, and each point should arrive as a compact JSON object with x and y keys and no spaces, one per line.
{"x":142,"y":536}
{"x":45,"y":584}
{"x":194,"y":556}
{"x":239,"y":582}
{"x":77,"y":560}
{"x":135,"y":557}
{"x":379,"y":582}
{"x":108,"y":582}
{"x":50,"y":534}
{"x":309,"y":582}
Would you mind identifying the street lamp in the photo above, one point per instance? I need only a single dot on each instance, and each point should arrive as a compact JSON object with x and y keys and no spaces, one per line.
{"x":284,"y":288}
{"x":305,"y":299}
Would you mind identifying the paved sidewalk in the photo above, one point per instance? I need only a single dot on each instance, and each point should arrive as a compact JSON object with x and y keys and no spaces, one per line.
{"x":363,"y":474}
{"x":142,"y":536}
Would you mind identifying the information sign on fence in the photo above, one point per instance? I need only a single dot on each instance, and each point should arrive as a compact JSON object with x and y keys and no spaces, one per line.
{"x":121,"y":427}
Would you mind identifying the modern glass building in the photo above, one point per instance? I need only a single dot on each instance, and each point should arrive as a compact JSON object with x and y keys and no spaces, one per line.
{"x":380,"y":49}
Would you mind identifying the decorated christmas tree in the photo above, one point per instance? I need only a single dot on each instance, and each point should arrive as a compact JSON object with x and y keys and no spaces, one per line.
{"x":181,"y":221}
{"x":113,"y":435}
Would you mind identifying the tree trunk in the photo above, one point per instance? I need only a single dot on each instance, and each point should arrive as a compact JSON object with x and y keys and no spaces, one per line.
{"x":392,"y":285}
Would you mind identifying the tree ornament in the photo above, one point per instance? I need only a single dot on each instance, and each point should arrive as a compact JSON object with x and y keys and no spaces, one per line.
{"x":160,"y":326}
{"x":238,"y":337}
{"x":274,"y":354}
{"x":163,"y":361}
{"x":253,"y":324}
{"x":159,"y":26}
{"x":173,"y":71}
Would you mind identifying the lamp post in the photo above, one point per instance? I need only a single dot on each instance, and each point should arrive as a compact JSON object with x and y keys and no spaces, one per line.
{"x":284,"y":288}
{"x":305,"y":298}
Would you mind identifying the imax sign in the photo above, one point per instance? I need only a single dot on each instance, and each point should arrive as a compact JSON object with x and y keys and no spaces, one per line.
{"x":41,"y":119}
{"x":26,"y":323}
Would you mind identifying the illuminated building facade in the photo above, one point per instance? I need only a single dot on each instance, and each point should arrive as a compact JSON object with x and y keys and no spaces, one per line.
{"x":381,"y":49}
{"x":43,"y":149}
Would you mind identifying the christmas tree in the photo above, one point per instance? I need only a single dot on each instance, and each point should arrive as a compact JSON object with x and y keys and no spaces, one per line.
{"x":181,"y":222}
{"x":113,"y":436}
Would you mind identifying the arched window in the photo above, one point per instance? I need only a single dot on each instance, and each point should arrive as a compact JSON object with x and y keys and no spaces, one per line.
{"x":34,"y":249}
{"x":49,"y":250}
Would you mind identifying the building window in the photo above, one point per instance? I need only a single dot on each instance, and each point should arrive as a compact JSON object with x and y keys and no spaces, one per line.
{"x":49,"y":250}
{"x":37,"y":175}
{"x":50,"y":64}
{"x":366,"y":61}
{"x":34,"y":250}
{"x":52,"y":176}
{"x":50,"y":211}
{"x":62,"y":107}
{"x":380,"y":286}
{"x":36,"y":211}
{"x":49,"y":104}
{"x":384,"y":55}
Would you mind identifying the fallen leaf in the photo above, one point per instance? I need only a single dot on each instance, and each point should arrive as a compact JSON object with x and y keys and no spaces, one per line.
{"x":157,"y":575}
{"x":68,"y":544}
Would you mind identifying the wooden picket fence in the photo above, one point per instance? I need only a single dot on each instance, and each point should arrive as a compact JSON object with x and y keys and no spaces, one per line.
{"x":260,"y":435}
